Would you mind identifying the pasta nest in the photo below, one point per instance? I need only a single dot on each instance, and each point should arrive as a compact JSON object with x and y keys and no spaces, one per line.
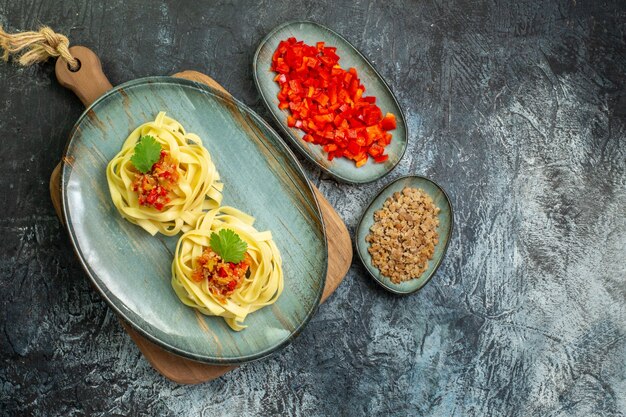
{"x":260,"y":288}
{"x":197,"y":190}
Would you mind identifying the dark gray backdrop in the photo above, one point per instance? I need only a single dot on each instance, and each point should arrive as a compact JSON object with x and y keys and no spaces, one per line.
{"x":518,"y":108}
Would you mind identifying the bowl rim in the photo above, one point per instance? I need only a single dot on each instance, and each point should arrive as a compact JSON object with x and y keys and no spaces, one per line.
{"x":102,"y":290}
{"x":446,"y":244}
{"x":297,"y":141}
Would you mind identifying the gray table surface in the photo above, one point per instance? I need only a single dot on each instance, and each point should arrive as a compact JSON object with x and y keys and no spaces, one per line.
{"x":518,"y":108}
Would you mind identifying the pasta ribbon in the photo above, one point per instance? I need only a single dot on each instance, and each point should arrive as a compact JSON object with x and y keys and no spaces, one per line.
{"x":262,"y":287}
{"x":197,"y":190}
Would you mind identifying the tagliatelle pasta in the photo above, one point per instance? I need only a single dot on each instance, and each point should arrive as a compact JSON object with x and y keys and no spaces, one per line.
{"x":261,"y":287}
{"x":196,"y":187}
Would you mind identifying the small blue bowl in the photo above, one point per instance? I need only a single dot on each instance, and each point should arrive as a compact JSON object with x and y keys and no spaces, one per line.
{"x":446,"y":217}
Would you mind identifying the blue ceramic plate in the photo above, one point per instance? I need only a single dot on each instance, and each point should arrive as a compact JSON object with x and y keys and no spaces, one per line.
{"x":445,"y":231}
{"x":340,"y":168}
{"x":132,"y":270}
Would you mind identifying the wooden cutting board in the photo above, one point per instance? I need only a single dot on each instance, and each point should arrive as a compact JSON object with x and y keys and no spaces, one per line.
{"x":89,"y":83}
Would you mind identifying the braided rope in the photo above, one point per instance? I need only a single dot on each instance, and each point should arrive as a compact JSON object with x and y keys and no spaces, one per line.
{"x":37,"y":46}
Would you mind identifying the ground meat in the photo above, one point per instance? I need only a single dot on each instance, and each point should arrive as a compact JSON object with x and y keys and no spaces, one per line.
{"x":404,"y":234}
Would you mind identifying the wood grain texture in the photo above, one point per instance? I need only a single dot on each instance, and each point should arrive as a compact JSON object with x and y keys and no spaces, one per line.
{"x":174,"y":367}
{"x":516,"y":107}
{"x":88,"y":82}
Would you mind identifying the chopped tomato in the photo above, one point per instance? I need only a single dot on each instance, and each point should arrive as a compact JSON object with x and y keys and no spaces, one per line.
{"x":327,"y":102}
{"x":153,"y":187}
{"x":222,"y":278}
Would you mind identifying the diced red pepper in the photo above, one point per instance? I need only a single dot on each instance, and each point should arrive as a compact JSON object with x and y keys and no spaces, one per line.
{"x":373,"y":132}
{"x":354,"y":148}
{"x":322,"y":99}
{"x":327,"y":102}
{"x":388,"y":122}
{"x":281,"y":67}
{"x":375,"y":150}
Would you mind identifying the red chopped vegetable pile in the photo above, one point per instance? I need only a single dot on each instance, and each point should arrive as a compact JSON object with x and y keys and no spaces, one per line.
{"x":153,"y":187}
{"x":327,"y":103}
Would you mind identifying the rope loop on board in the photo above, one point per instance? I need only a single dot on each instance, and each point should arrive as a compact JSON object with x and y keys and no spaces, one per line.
{"x":35,"y":47}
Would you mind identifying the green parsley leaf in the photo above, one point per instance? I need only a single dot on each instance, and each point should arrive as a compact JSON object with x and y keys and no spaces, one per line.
{"x":147,"y":152}
{"x":228,"y":245}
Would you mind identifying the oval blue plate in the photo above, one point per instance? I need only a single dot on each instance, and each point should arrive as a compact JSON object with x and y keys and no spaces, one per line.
{"x":339,"y":168}
{"x":445,"y":231}
{"x":132,"y":270}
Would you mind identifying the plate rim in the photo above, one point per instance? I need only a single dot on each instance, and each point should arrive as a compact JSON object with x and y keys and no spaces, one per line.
{"x":296,"y":141}
{"x":445,"y":248}
{"x":207,"y":359}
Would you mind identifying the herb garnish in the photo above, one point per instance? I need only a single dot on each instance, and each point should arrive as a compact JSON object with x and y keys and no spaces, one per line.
{"x":228,"y":245}
{"x":147,"y":153}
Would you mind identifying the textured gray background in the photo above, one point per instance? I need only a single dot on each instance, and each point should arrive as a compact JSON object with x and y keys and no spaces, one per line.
{"x":518,"y":108}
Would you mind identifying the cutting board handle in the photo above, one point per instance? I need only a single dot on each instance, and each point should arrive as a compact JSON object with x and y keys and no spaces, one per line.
{"x":88,"y":82}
